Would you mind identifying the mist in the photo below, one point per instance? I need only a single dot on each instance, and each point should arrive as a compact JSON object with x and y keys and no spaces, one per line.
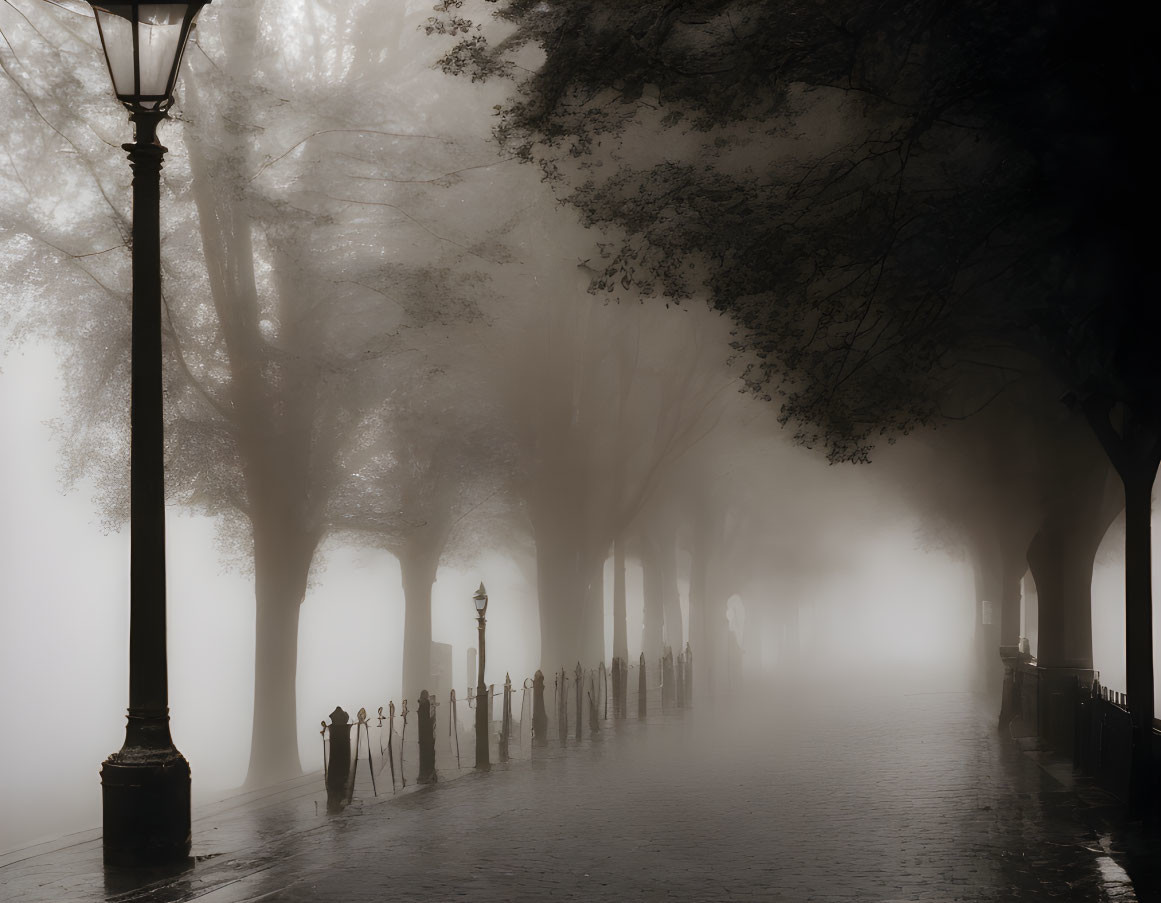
{"x":892,"y":606}
{"x":687,"y":372}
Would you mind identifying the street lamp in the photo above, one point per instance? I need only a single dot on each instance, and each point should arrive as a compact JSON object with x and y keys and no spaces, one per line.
{"x":482,"y":699}
{"x":145,"y":787}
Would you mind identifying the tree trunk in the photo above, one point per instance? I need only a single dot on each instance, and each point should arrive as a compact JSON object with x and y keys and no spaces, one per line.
{"x":1061,"y":560}
{"x":591,"y":643}
{"x":673,"y":630}
{"x":987,"y":570}
{"x":698,"y":589}
{"x":1010,"y":596}
{"x":620,"y":618}
{"x":1135,"y":452}
{"x":1138,"y":483}
{"x":651,"y":584}
{"x":1031,"y":613}
{"x":564,"y":578}
{"x":418,"y":563}
{"x":281,"y":565}
{"x":1012,"y":574}
{"x":1076,"y":515}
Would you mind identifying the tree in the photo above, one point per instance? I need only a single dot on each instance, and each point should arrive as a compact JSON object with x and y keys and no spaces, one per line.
{"x":288,"y":281}
{"x":890,"y":201}
{"x":600,"y":400}
{"x":431,"y":458}
{"x":1022,"y":483}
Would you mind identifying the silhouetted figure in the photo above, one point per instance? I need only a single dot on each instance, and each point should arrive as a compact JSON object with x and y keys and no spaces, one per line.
{"x":339,"y":769}
{"x":679,"y":677}
{"x":539,"y":715}
{"x":427,"y":774}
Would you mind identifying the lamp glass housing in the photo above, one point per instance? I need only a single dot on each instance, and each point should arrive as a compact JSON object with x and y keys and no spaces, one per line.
{"x":143,"y":44}
{"x":481,"y":600}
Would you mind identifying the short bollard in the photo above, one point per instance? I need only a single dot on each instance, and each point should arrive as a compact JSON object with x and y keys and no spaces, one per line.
{"x":688,"y":677}
{"x":579,"y":677}
{"x":539,"y":715}
{"x":506,"y":718}
{"x":427,"y":773}
{"x":642,"y":696}
{"x":338,"y":769}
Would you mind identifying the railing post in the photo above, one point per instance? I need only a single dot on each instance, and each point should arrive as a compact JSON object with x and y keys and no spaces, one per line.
{"x":402,"y":740}
{"x":506,"y":718}
{"x":391,"y":741}
{"x":427,"y":772}
{"x":539,"y":715}
{"x":338,"y":771}
{"x":454,"y":725}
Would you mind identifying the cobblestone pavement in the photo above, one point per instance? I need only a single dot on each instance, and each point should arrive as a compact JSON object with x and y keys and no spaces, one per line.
{"x":882,"y":797}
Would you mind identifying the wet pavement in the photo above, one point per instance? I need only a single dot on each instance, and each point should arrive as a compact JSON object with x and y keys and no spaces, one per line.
{"x":881,"y":797}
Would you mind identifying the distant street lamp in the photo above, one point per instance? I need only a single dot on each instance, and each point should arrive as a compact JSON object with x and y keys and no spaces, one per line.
{"x":146,"y":785}
{"x":481,"y":600}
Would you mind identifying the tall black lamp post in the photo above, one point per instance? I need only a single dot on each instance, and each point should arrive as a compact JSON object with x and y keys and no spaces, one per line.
{"x":482,"y":697}
{"x":145,"y":787}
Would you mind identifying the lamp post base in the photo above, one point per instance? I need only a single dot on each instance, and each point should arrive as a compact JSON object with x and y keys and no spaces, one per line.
{"x":145,"y":797}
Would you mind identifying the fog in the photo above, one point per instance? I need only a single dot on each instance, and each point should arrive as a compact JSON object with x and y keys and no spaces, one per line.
{"x":891,"y":606}
{"x":400,"y":361}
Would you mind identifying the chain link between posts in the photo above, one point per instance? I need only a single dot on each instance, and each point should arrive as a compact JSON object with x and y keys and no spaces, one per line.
{"x":592,"y":686}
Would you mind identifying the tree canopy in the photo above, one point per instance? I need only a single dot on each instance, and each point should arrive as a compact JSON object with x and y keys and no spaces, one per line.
{"x":903,"y":205}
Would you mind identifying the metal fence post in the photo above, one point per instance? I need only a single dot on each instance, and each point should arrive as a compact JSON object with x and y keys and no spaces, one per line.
{"x":506,"y":718}
{"x":539,"y":715}
{"x":426,"y":715}
{"x":339,"y":770}
{"x":402,"y":740}
{"x":454,"y":725}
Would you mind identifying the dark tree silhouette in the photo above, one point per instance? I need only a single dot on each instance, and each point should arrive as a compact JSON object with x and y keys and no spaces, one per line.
{"x":900,"y":204}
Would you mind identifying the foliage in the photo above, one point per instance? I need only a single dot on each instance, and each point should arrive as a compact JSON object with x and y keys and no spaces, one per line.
{"x":903,"y":206}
